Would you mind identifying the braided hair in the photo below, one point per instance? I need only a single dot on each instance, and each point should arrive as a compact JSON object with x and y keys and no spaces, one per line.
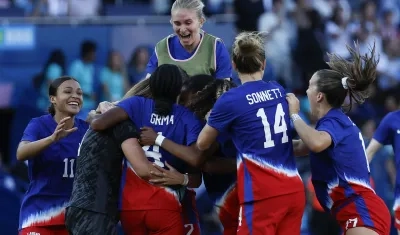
{"x":165,"y":86}
{"x":205,"y":99}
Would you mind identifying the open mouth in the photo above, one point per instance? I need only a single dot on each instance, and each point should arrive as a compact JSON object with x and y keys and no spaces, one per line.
{"x":73,"y":104}
{"x":185,"y":36}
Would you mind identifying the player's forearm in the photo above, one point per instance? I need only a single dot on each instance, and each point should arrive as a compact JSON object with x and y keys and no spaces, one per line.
{"x":27,"y":150}
{"x":309,"y":136}
{"x":189,"y":154}
{"x":372,"y":148}
{"x":91,"y":116}
{"x":220,"y":166}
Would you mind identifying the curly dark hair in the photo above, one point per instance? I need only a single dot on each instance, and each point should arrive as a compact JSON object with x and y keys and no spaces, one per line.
{"x":205,"y":99}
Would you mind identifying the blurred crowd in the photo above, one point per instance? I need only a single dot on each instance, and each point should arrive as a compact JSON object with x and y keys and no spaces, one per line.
{"x":300,"y":33}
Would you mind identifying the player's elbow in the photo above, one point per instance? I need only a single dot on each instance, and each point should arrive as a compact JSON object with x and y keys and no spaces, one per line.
{"x":143,"y":173}
{"x":202,"y":144}
{"x":22,"y":153}
{"x":317,"y":147}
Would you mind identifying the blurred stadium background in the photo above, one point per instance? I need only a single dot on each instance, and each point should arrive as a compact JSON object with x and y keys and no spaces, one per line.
{"x":40,"y":39}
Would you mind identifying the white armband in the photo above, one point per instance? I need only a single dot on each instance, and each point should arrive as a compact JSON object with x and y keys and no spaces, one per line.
{"x":295,"y":117}
{"x":185,"y":179}
{"x":159,"y":140}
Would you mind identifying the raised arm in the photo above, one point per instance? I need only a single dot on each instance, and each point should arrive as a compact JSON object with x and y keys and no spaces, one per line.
{"x":108,"y":119}
{"x":31,"y":145}
{"x":190,"y":154}
{"x":315,"y":140}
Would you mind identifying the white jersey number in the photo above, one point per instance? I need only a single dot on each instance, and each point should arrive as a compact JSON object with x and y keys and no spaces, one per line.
{"x":154,"y":154}
{"x":69,"y":166}
{"x":279,"y":126}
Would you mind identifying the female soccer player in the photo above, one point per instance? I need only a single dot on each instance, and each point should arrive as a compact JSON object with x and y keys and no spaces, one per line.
{"x":199,"y":93}
{"x":50,"y":144}
{"x":388,"y":132}
{"x":149,"y":203}
{"x":271,"y":192}
{"x":339,"y":165}
{"x":190,"y":47}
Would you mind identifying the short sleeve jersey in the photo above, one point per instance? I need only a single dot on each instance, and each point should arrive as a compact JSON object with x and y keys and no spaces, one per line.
{"x":388,"y":133}
{"x":51,"y":173}
{"x":99,"y":168}
{"x":256,"y":116}
{"x":182,"y":127}
{"x":342,"y":170}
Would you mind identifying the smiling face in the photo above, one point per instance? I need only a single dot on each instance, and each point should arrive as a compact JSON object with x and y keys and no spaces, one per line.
{"x":68,"y":99}
{"x":186,"y":24}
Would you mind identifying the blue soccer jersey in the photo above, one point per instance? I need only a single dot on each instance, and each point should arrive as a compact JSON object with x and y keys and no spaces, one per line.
{"x":182,"y":127}
{"x":388,"y":133}
{"x":256,"y":116}
{"x":341,"y":171}
{"x":51,"y":173}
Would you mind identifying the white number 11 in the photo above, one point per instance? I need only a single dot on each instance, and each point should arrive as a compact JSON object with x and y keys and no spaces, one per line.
{"x":69,"y":162}
{"x":279,"y":126}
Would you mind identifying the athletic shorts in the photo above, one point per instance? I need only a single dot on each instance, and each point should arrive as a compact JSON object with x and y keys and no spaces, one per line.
{"x":228,"y":212}
{"x":280,"y":215}
{"x":84,"y":222}
{"x":364,"y":210}
{"x":44,"y":230}
{"x":152,"y":222}
{"x":191,"y":222}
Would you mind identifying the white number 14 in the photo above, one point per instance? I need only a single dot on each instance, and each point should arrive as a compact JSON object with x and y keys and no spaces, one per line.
{"x":279,"y":126}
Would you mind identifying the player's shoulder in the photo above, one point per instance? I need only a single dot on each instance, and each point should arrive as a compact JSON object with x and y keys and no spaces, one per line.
{"x":395,"y":115}
{"x":183,"y":111}
{"x":42,"y":120}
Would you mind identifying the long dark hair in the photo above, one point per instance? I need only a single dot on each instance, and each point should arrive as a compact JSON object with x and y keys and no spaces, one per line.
{"x":165,"y":86}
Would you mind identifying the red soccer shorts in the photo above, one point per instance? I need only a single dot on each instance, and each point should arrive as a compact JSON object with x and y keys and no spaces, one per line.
{"x":44,"y":230}
{"x":228,"y":212}
{"x":152,"y":222}
{"x":364,"y":210}
{"x":280,"y":215}
{"x":191,"y":222}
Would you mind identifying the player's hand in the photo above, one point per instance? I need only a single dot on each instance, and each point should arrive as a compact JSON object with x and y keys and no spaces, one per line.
{"x":104,"y":107}
{"x":60,"y":132}
{"x":166,"y":177}
{"x":294,"y":104}
{"x":147,"y":136}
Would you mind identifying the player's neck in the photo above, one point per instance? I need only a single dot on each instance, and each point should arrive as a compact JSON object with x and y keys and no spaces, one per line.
{"x":191,"y":48}
{"x":322,"y":111}
{"x":250,"y":77}
{"x":68,"y":124}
